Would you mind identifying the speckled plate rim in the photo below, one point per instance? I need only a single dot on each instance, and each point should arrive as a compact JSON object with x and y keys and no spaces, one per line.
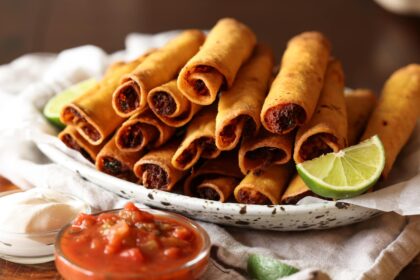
{"x":195,"y":204}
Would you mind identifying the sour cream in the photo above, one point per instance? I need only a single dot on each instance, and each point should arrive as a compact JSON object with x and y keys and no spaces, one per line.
{"x":38,"y":211}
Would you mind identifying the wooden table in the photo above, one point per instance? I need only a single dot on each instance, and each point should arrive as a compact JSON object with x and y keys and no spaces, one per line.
{"x":371,"y":42}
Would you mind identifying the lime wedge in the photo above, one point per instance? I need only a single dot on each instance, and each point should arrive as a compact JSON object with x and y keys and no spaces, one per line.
{"x":54,"y":105}
{"x":347,"y":173}
{"x":265,"y":268}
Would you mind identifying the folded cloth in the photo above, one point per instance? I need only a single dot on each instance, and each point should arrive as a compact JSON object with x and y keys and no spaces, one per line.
{"x":375,"y":249}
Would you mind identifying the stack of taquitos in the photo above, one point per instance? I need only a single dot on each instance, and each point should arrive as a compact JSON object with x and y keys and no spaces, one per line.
{"x":359,"y":105}
{"x":92,"y":114}
{"x":240,"y":106}
{"x":159,"y":68}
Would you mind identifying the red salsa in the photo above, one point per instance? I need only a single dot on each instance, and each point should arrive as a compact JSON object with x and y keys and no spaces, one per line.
{"x":129,"y":241}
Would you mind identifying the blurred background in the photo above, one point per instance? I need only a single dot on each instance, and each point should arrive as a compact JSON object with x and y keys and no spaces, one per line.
{"x":371,"y":41}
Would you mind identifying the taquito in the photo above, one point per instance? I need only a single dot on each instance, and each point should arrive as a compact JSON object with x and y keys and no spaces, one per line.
{"x":327,"y":130}
{"x":395,"y":116}
{"x":228,"y":45}
{"x":92,"y":113}
{"x":241,"y":105}
{"x":170,"y":105}
{"x":155,"y":169}
{"x":160,"y":67}
{"x":115,"y":162}
{"x":293,"y":96}
{"x":215,"y":179}
{"x":264,"y":150}
{"x":72,"y":139}
{"x":199,"y":140}
{"x":359,"y":106}
{"x":265,"y":186}
{"x":142,"y":130}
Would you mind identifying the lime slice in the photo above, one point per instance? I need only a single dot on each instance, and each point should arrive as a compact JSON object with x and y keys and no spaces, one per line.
{"x":53,"y":108}
{"x":265,"y":268}
{"x":347,"y":173}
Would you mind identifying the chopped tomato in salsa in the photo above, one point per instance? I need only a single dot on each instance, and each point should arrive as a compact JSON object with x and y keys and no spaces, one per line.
{"x":129,"y":241}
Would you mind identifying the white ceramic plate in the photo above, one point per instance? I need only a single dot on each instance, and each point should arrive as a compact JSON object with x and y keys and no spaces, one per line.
{"x":273,"y":217}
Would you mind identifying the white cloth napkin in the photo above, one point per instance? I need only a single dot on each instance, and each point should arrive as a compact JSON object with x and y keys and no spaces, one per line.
{"x":375,"y":249}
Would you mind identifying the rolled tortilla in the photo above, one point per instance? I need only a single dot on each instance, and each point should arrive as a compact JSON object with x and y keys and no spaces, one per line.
{"x":199,"y":140}
{"x":265,"y":149}
{"x":72,"y":139}
{"x":240,"y":106}
{"x":117,"y":163}
{"x":142,"y":130}
{"x":359,"y":105}
{"x":92,"y":114}
{"x":265,"y":186}
{"x":228,"y":45}
{"x":155,"y":169}
{"x":327,"y":130}
{"x":159,"y":68}
{"x":170,"y":105}
{"x":395,"y":116}
{"x":215,"y":179}
{"x":293,"y":96}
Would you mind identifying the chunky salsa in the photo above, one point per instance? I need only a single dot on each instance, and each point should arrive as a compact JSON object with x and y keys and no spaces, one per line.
{"x":130,"y":241}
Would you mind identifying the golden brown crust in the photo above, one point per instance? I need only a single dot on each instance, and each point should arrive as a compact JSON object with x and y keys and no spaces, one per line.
{"x":170,"y":105}
{"x":143,"y":130}
{"x":327,"y":130}
{"x":265,"y":186}
{"x":92,"y":113}
{"x":160,"y":67}
{"x":395,"y":116}
{"x":72,"y":139}
{"x":359,"y":106}
{"x":199,"y":140}
{"x":228,"y":45}
{"x":220,"y":176}
{"x":155,"y":169}
{"x":242,"y":103}
{"x":115,"y":162}
{"x":294,"y":93}
{"x":265,"y":149}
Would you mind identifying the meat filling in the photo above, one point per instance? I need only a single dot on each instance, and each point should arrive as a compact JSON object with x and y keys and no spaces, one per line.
{"x":72,"y":116}
{"x":164,"y":103}
{"x":208,"y":147}
{"x":116,"y":168}
{"x":198,"y":84}
{"x":131,"y":136}
{"x":228,"y":134}
{"x":316,"y":146}
{"x":128,"y":99}
{"x":250,"y":196}
{"x":72,"y":144}
{"x":264,"y":156}
{"x":155,"y":177}
{"x":287,"y":117}
{"x":208,"y":193}
{"x":187,"y":155}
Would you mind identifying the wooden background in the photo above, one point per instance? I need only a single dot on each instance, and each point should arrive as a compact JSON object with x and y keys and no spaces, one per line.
{"x":370,"y":41}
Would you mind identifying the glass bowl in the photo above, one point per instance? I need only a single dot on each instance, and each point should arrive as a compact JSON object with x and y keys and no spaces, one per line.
{"x":29,"y":248}
{"x":191,"y":269}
